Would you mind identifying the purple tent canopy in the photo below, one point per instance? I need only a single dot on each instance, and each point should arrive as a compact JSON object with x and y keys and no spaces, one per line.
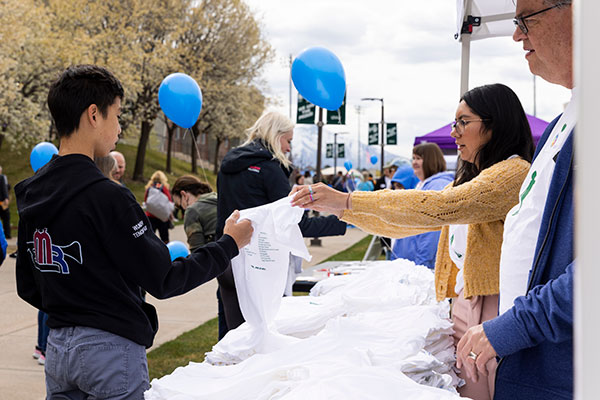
{"x":443,"y":139}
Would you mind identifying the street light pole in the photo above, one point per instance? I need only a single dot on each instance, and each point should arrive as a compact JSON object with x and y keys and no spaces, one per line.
{"x":382,"y":137}
{"x":319,"y":141}
{"x":358,"y":151}
{"x":335,"y":151}
{"x":382,"y":127}
{"x":335,"y":155}
{"x":316,"y":241}
{"x":290,"y":86}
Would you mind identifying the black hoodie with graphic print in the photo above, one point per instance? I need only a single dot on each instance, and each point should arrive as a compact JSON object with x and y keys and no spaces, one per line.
{"x":85,"y":248}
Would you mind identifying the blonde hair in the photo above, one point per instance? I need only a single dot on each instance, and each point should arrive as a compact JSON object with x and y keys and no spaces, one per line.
{"x":158,"y":177}
{"x":269,"y":128}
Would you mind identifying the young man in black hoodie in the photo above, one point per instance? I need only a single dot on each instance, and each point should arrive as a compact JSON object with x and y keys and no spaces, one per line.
{"x":85,"y":250}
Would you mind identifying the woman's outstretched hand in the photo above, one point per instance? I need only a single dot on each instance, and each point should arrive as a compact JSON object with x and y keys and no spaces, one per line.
{"x":320,"y":197}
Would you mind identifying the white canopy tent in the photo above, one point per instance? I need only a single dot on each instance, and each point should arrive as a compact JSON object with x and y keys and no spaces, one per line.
{"x":480,"y":19}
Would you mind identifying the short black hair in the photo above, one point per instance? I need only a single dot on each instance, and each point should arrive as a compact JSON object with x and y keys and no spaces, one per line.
{"x":504,"y":117}
{"x":77,"y":88}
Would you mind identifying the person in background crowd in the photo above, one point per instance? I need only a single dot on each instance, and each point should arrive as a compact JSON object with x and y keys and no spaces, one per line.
{"x":39,"y":353}
{"x":199,"y":205}
{"x":159,"y":181}
{"x":367,"y":184}
{"x":255,"y":174}
{"x":4,"y":203}
{"x":300,"y":180}
{"x":3,"y":245}
{"x":495,"y":144}
{"x":533,"y":335}
{"x":338,"y":181}
{"x":404,"y":178}
{"x":99,"y":325}
{"x":372,"y":180}
{"x":429,"y":167}
{"x":121,"y":165}
{"x":308,"y":180}
{"x":385,"y":181}
{"x":108,"y":167}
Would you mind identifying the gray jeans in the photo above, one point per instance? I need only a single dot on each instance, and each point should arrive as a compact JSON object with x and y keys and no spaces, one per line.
{"x":88,"y":363}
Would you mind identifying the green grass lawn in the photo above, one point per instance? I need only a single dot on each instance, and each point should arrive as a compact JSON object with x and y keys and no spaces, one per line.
{"x":354,"y":253}
{"x":192,"y":345}
{"x":16,"y":167}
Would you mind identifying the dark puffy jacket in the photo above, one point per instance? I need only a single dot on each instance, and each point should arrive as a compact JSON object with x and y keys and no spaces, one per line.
{"x":251,"y":177}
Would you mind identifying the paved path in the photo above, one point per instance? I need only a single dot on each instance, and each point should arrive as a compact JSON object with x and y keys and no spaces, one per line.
{"x":21,"y":378}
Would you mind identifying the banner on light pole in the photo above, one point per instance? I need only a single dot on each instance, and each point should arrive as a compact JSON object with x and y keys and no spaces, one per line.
{"x":391,"y":135}
{"x":306,"y":111}
{"x":337,"y":117}
{"x":341,"y":150}
{"x":373,"y":133}
{"x":329,"y":151}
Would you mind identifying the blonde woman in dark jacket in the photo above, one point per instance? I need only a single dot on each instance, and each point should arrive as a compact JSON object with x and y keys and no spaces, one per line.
{"x":254,"y":174}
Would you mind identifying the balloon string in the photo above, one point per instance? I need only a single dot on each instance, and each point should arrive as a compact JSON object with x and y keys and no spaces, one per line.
{"x":197,"y":152}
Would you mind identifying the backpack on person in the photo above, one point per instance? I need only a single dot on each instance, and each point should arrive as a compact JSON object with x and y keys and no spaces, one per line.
{"x":158,"y":204}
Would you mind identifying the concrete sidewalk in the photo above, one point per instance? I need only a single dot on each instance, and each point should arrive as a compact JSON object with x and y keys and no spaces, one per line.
{"x":21,"y":378}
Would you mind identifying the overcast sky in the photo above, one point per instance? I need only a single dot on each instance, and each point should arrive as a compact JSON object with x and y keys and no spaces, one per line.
{"x":403,"y":51}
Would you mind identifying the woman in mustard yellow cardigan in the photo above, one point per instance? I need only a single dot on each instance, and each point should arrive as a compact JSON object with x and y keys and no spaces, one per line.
{"x":495,"y":145}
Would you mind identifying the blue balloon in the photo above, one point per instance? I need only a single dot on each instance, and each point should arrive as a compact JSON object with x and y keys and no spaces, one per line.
{"x":41,"y":154}
{"x":319,"y":77}
{"x":348,"y":165}
{"x":374,"y":159}
{"x":180,"y":98}
{"x":177,"y":249}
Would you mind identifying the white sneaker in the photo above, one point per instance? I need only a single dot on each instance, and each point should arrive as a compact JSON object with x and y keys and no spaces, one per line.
{"x":37,"y":353}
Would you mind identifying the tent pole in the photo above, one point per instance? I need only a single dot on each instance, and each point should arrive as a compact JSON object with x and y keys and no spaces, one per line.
{"x":465,"y":53}
{"x":464,"y":66}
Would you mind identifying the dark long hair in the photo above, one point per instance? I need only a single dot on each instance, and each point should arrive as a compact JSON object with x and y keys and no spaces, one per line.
{"x":505,"y":118}
{"x":190,"y":184}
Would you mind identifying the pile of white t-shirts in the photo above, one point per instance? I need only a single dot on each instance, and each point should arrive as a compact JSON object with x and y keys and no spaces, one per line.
{"x":260,"y":272}
{"x":379,"y":335}
{"x":384,"y":285}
